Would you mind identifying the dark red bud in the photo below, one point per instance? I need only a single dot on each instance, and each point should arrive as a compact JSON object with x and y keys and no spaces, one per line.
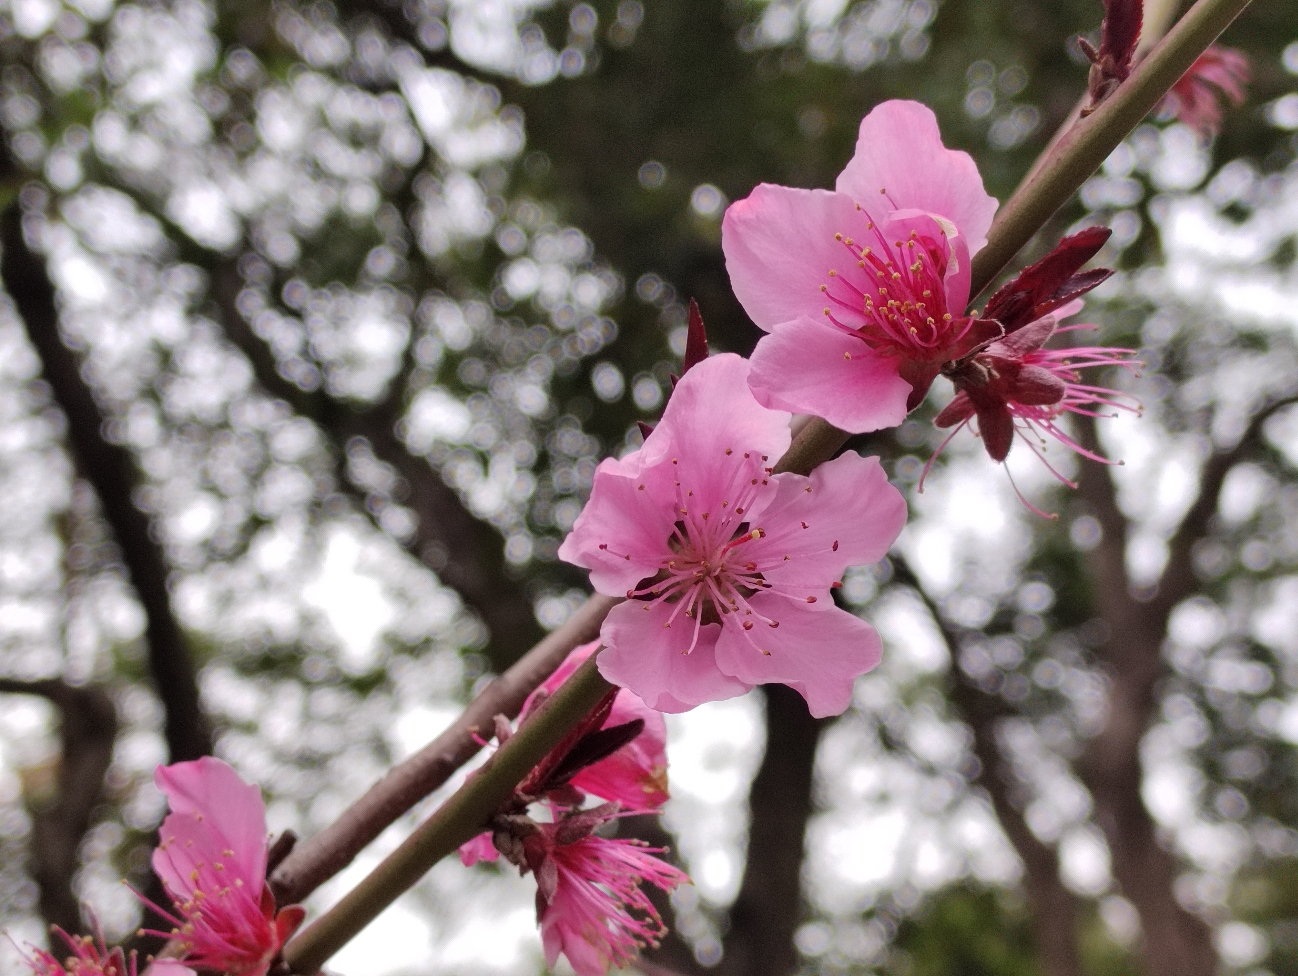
{"x":696,"y":339}
{"x":996,"y":425}
{"x":1037,"y":387}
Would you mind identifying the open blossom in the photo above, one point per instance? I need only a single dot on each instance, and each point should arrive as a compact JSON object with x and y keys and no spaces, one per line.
{"x":92,"y":957}
{"x":1016,"y":385}
{"x":862,"y":290}
{"x":726,"y":566}
{"x":591,"y":903}
{"x":1220,"y":75}
{"x":212,"y":861}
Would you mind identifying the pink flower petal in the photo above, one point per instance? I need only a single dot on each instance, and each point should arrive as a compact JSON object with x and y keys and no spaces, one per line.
{"x":899,"y":151}
{"x":644,"y":654}
{"x":169,"y":967}
{"x":818,"y":654}
{"x":807,"y":366}
{"x":780,"y":245}
{"x":231,"y":811}
{"x":620,"y":539}
{"x":479,"y":849}
{"x":849,"y":517}
{"x":635,"y":775}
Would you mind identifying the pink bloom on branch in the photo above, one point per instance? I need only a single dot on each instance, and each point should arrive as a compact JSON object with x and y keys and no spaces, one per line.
{"x":92,"y":957}
{"x":636,"y":774}
{"x":1220,"y":75}
{"x":728,"y":567}
{"x":212,"y":861}
{"x":862,"y":290}
{"x":1017,"y":386}
{"x":590,"y":902}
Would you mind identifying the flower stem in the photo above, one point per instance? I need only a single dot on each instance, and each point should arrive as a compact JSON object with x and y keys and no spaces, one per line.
{"x":1072,"y":160}
{"x":454,"y":822}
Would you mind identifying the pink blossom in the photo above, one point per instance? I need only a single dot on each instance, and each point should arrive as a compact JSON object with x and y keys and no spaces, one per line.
{"x":636,"y":775}
{"x":862,"y":289}
{"x":92,"y":957}
{"x":1220,"y":75}
{"x":727,"y":567}
{"x":590,"y":901}
{"x":212,"y":861}
{"x":1017,"y":386}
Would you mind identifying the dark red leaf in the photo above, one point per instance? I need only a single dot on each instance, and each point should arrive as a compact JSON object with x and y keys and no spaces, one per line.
{"x":696,"y":340}
{"x":1120,"y":33}
{"x":532,"y":786}
{"x":591,"y":749}
{"x":1052,"y":282}
{"x":647,"y":429}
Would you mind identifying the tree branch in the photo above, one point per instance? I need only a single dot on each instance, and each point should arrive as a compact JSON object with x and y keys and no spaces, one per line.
{"x":1054,"y":907}
{"x":315,"y":861}
{"x":1178,"y":580}
{"x":1175,"y":942}
{"x":767,"y":911}
{"x":466,"y":553}
{"x":111,"y":471}
{"x":59,"y":823}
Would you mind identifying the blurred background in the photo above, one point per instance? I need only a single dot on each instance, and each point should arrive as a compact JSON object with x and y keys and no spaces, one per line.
{"x":318,"y":317}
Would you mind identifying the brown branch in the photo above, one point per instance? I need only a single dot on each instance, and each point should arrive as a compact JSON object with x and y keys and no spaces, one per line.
{"x":769,"y":905}
{"x":1178,"y":580}
{"x":1054,"y":907}
{"x":1175,"y":942}
{"x":318,"y":859}
{"x":60,"y":821}
{"x":111,"y":471}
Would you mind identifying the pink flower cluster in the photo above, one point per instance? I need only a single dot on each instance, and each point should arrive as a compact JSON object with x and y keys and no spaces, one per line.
{"x":212,"y":861}
{"x":590,"y":902}
{"x":92,"y":957}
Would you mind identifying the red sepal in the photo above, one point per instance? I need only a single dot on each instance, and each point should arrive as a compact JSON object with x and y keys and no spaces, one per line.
{"x":1051,"y":283}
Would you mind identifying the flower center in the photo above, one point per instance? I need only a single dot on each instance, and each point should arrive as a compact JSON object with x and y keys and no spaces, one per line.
{"x":714,"y":558}
{"x":894,"y":295}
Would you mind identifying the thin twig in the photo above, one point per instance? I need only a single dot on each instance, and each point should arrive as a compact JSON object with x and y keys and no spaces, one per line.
{"x":1072,"y":160}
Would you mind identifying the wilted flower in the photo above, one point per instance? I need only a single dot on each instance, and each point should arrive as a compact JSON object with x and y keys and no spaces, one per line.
{"x":589,"y":900}
{"x":726,"y":566}
{"x":1220,"y":75}
{"x":212,"y":861}
{"x":862,"y":290}
{"x":1017,"y":386}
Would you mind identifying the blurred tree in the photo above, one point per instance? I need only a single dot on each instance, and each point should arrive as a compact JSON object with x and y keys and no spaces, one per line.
{"x":340,"y":285}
